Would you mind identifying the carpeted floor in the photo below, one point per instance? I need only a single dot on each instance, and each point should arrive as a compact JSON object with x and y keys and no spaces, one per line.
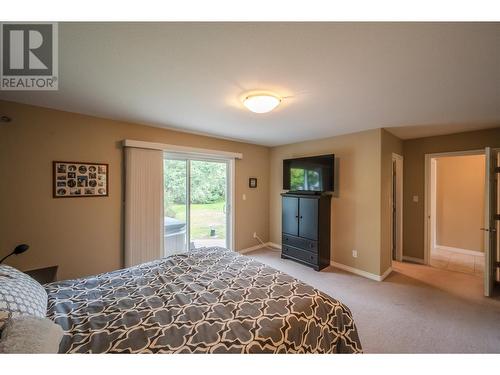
{"x":416,"y":309}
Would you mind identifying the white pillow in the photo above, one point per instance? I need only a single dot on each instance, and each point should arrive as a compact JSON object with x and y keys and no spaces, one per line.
{"x":20,"y":294}
{"x":26,"y":334}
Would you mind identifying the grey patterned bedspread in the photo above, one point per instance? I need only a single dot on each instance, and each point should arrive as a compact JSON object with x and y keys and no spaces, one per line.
{"x":211,"y":300}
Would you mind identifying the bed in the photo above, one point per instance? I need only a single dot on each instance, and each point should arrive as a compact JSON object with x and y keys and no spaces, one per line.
{"x":210,"y":300}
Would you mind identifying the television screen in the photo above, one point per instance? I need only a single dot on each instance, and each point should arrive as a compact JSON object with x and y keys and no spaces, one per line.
{"x":309,"y":174}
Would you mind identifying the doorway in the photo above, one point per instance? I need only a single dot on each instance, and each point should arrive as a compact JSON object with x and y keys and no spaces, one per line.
{"x":457,"y":195}
{"x":397,"y":208}
{"x":462,"y":213}
{"x":197,"y":203}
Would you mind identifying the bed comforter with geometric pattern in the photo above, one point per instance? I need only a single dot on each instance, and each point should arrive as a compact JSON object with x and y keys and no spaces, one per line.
{"x":211,"y":300}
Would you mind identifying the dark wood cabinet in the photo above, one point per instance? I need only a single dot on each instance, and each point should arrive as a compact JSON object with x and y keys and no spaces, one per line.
{"x":306,"y":229}
{"x":291,"y":215}
{"x":308,"y":218}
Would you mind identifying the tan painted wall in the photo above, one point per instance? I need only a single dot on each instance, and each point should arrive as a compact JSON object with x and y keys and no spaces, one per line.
{"x":460,"y":201}
{"x":356,"y":210}
{"x":414,"y":178}
{"x":84,"y":236}
{"x":390,"y":144}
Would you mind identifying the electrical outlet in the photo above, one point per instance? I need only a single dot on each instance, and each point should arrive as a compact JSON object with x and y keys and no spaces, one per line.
{"x":355,"y":253}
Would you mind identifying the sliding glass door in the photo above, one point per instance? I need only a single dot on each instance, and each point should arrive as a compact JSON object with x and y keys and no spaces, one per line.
{"x":196,"y":196}
{"x":175,"y":183}
{"x":208,"y":201}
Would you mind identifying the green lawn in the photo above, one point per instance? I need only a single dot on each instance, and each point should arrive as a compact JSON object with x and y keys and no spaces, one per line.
{"x":203,"y":218}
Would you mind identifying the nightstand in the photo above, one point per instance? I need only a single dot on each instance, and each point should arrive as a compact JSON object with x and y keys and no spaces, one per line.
{"x":43,"y":275}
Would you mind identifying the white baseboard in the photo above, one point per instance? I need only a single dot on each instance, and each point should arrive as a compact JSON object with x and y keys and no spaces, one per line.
{"x":359,"y":272}
{"x":275,"y":245}
{"x":459,"y":250}
{"x":253,"y":248}
{"x":356,"y":271}
{"x":259,"y":246}
{"x":413,"y":260}
{"x":386,"y":273}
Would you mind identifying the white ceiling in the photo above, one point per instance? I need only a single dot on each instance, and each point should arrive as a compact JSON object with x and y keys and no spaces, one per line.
{"x":419,"y":78}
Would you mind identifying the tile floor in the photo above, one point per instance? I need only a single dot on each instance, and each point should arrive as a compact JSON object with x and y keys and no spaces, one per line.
{"x":457,"y":262}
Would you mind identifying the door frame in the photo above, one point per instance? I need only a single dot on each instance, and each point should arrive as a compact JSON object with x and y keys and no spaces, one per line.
{"x":429,"y":195}
{"x":399,"y":160}
{"x":490,"y":228}
{"x":230,"y":189}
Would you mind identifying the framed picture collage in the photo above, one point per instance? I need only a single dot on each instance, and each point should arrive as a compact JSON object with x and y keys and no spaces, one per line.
{"x":80,"y":179}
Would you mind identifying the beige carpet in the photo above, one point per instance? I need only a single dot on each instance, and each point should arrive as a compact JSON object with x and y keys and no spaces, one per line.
{"x":416,"y":309}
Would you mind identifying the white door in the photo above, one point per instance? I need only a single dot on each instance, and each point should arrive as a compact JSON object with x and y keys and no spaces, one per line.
{"x":490,"y":221}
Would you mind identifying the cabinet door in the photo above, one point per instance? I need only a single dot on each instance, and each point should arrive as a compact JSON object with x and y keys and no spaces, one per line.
{"x":290,"y":216}
{"x":308,"y":218}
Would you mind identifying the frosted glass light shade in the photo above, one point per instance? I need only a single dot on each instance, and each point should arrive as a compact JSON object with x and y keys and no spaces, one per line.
{"x":261,"y":103}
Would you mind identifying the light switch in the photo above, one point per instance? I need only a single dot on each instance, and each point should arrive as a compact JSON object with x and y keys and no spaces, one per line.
{"x":415,"y":198}
{"x":244,"y":197}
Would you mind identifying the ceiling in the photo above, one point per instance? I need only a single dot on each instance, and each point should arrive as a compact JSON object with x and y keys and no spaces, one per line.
{"x":417,"y":79}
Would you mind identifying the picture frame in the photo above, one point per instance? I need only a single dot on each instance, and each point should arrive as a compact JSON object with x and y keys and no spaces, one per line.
{"x":77,"y":179}
{"x":252,"y":182}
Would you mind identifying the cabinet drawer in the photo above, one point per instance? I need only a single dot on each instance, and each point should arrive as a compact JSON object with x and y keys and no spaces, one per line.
{"x":305,"y":256}
{"x":301,"y":243}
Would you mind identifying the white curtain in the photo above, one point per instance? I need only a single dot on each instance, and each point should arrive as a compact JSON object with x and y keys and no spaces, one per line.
{"x":143,"y":205}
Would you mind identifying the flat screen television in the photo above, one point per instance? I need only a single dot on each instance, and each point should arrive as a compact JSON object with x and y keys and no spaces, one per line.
{"x":309,"y":175}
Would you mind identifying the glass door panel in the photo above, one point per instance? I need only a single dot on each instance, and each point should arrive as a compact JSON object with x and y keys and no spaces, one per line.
{"x":175,"y":178}
{"x":208,"y":203}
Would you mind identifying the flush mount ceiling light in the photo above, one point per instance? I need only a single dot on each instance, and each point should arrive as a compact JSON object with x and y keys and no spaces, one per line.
{"x":261,"y":103}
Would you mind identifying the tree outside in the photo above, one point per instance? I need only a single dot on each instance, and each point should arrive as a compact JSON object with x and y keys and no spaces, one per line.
{"x":208,"y":196}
